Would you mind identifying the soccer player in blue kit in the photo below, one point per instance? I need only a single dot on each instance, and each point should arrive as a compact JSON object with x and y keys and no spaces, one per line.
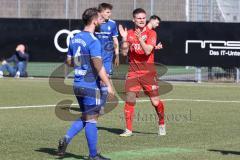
{"x":85,"y":55}
{"x":107,"y":33}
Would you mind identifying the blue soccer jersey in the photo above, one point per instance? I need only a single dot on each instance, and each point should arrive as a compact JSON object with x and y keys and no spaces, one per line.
{"x":82,"y":47}
{"x":106,"y":32}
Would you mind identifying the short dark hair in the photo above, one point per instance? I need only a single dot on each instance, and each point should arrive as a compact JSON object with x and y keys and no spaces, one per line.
{"x":137,"y":11}
{"x":155,"y":17}
{"x":104,"y":6}
{"x":88,"y":15}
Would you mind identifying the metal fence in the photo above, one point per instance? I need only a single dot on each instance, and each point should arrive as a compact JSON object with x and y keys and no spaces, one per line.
{"x":168,"y":10}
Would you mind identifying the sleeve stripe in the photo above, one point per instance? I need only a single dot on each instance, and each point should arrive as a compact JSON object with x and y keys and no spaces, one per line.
{"x":93,"y":36}
{"x":97,"y":57}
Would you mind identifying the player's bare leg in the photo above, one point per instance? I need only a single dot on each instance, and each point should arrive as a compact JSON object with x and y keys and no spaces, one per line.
{"x":159,"y":107}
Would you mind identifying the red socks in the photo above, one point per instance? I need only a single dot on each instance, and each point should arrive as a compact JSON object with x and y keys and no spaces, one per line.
{"x":129,"y":114}
{"x":160,"y":112}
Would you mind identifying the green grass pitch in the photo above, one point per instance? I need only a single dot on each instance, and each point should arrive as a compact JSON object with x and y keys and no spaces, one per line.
{"x":203,"y":123}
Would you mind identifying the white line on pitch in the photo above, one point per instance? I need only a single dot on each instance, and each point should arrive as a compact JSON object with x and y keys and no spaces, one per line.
{"x":142,"y":100}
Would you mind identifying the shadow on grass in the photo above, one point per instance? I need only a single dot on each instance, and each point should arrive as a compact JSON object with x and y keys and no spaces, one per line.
{"x":119,"y":131}
{"x":225,"y":152}
{"x":53,"y":152}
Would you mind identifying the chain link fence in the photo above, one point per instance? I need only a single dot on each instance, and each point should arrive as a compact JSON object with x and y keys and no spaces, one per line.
{"x":170,"y":10}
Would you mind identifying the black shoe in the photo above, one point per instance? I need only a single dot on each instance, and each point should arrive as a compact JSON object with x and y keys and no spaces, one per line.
{"x":62,"y":146}
{"x":99,"y":157}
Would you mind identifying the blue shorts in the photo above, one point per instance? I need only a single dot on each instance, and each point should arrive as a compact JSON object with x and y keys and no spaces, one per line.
{"x":89,"y":99}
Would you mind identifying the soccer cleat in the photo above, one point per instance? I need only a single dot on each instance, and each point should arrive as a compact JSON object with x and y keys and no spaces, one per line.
{"x":126,"y":133}
{"x":62,"y":146}
{"x":162,"y":130}
{"x":99,"y":157}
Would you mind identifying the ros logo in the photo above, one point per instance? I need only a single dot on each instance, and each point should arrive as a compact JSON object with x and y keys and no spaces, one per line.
{"x":69,"y":34}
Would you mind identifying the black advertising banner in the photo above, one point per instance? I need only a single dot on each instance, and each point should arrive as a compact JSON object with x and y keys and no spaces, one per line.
{"x":199,"y":44}
{"x":185,"y":43}
{"x":38,"y":35}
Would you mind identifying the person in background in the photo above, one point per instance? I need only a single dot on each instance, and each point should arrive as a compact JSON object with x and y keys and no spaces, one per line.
{"x":153,"y":23}
{"x":107,"y":34}
{"x":19,"y":59}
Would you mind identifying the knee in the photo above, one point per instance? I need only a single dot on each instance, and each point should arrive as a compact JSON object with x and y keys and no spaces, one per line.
{"x":155,"y":101}
{"x":131,"y":98}
{"x":90,"y":118}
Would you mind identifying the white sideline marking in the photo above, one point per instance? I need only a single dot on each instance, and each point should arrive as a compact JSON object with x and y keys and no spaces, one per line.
{"x":142,"y":100}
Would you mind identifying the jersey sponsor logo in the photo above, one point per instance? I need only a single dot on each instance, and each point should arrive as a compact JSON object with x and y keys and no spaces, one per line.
{"x":69,"y":34}
{"x":109,"y":46}
{"x":105,"y":37}
{"x":136,"y":47}
{"x":97,"y":33}
{"x":109,"y":28}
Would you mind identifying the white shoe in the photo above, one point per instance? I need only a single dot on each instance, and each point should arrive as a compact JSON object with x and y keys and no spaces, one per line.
{"x":4,"y":62}
{"x":126,"y":133}
{"x":1,"y":74}
{"x":17,"y":74}
{"x":162,"y":130}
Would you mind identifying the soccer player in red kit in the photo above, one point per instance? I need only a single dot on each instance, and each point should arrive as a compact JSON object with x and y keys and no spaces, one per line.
{"x":153,"y":23}
{"x":140,"y":43}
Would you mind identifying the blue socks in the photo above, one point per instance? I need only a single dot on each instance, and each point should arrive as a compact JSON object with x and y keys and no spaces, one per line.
{"x":76,"y":127}
{"x":91,"y":133}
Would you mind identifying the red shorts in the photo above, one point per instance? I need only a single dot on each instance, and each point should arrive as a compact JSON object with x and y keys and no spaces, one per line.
{"x":147,"y":82}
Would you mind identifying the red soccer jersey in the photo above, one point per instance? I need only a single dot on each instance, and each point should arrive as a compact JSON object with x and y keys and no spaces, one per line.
{"x":137,"y":58}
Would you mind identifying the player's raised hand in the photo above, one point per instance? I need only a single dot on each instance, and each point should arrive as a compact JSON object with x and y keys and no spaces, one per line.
{"x":123,"y":31}
{"x":138,"y":33}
